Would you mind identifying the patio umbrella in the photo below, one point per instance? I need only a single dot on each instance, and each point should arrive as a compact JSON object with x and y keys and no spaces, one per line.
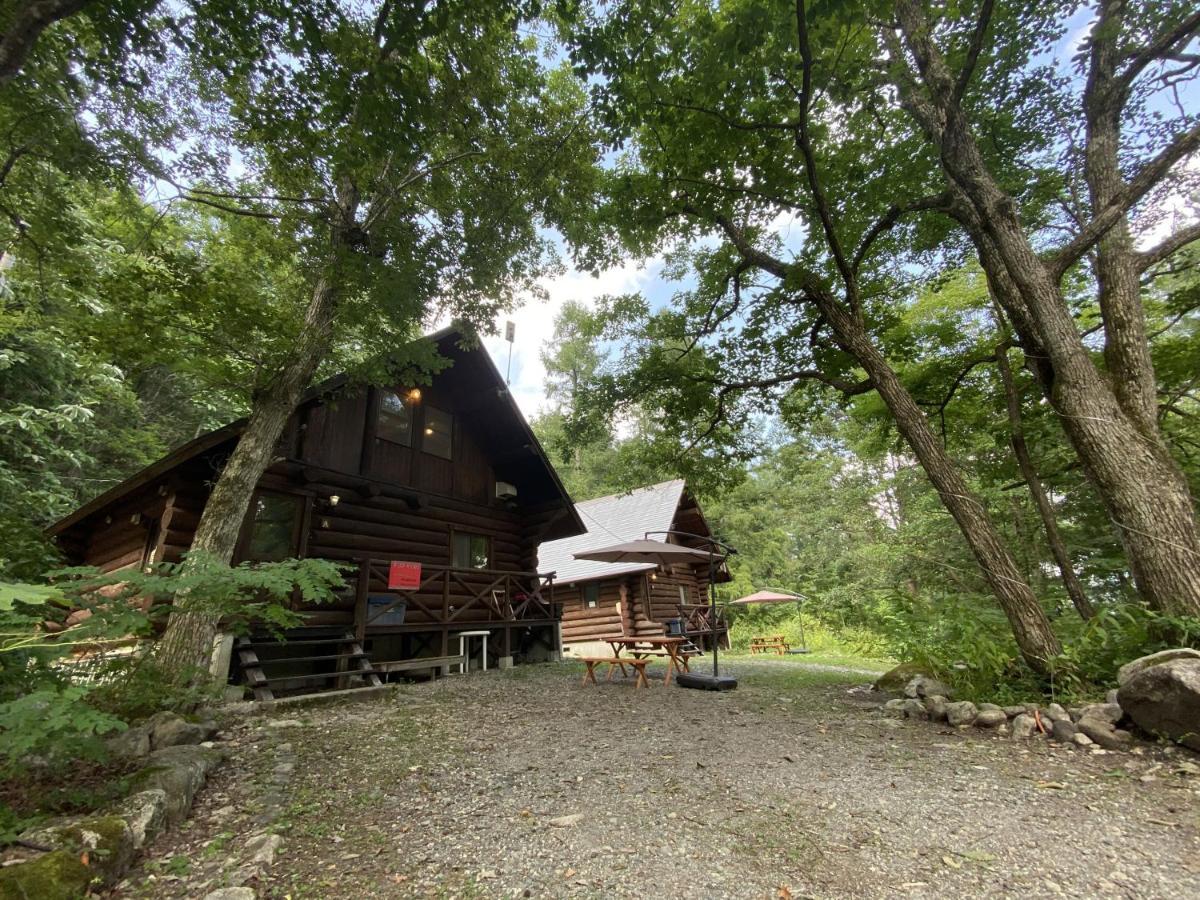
{"x":769,"y":596}
{"x":661,"y":553}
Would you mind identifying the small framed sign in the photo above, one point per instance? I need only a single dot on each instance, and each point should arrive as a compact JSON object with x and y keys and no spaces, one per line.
{"x":404,"y":576}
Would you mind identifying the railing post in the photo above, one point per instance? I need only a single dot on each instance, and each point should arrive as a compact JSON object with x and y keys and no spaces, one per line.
{"x":360,"y":599}
{"x":445,"y":596}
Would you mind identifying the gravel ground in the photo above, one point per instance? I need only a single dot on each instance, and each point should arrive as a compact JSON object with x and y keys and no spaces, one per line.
{"x":526,"y":783}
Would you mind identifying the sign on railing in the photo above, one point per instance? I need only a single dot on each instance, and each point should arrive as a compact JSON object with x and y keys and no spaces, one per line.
{"x":404,"y":576}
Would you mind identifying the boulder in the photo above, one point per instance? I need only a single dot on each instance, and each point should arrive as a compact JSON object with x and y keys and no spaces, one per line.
{"x":168,"y":729}
{"x":914,"y":709}
{"x":1019,"y":709}
{"x":145,"y":813}
{"x":894,"y":707}
{"x":1055,"y":712}
{"x":1064,"y":730}
{"x":962,"y":713}
{"x":52,"y":876}
{"x":131,"y":744}
{"x":106,"y":840}
{"x":179,"y":772}
{"x":1102,"y":733}
{"x":990,"y":718}
{"x":1081,"y":740}
{"x":1142,"y":663}
{"x":1023,"y":726}
{"x":894,"y":680}
{"x":923,"y":686}
{"x":936,"y":707}
{"x":983,"y":706}
{"x":78,"y":616}
{"x":1102,"y":712}
{"x":1164,"y":699}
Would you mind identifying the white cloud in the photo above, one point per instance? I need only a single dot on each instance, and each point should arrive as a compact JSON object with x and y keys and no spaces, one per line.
{"x":535,"y":324}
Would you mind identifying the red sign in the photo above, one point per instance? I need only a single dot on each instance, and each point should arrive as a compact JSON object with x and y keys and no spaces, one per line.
{"x":404,"y":576}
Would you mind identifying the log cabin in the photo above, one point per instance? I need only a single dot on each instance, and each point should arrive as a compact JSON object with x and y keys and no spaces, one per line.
{"x":436,"y":495}
{"x":600,"y":599}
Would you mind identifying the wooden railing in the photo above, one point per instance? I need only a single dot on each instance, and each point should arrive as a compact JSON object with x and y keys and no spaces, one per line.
{"x":448,"y":596}
{"x":698,"y":619}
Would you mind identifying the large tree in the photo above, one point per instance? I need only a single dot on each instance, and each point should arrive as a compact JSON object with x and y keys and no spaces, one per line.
{"x":411,"y":150}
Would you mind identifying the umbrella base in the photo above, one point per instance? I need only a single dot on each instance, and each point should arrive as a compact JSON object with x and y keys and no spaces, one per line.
{"x":706,"y":682}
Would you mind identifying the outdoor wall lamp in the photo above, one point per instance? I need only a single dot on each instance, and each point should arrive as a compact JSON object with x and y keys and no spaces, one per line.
{"x":334,"y":499}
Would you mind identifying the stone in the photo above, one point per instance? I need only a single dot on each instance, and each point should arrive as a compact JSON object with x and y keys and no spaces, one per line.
{"x":264,"y":847}
{"x":1063,"y":730}
{"x":231,"y":893}
{"x":1139,"y":665}
{"x":180,"y":772}
{"x":52,"y":876}
{"x":1017,"y":710}
{"x":923,"y":686}
{"x":936,"y":707}
{"x":567,"y":821}
{"x":1055,"y":712}
{"x":914,"y":709}
{"x":1075,"y":712}
{"x":145,"y":813}
{"x":107,"y":840}
{"x":79,"y":615}
{"x":1023,"y":726}
{"x":962,"y":713}
{"x":894,"y":680}
{"x":1164,"y":699}
{"x":894,"y":707}
{"x":1081,"y":740}
{"x":1102,"y":733}
{"x":171,"y":730}
{"x":983,"y":706}
{"x":1111,"y":696}
{"x":1103,"y":712}
{"x":284,"y":723}
{"x":131,"y":744}
{"x":990,"y":718}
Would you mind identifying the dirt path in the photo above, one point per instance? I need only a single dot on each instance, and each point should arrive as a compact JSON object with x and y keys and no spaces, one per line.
{"x":524,"y":783}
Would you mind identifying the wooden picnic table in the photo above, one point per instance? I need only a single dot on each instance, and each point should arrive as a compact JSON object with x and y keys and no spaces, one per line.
{"x":775,"y":642}
{"x":641,"y":647}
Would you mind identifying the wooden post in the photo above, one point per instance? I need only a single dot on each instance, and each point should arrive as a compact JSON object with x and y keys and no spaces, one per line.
{"x":360,"y":599}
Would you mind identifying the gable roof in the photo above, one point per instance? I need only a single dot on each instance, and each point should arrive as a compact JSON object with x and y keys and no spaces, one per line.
{"x":611,"y":520}
{"x":508,"y":430}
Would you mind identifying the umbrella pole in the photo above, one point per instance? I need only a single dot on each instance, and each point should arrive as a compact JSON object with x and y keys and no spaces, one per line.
{"x":712,"y":611}
{"x":800,"y":613}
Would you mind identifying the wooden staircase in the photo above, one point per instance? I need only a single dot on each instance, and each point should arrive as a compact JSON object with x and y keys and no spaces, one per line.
{"x":337,"y":657}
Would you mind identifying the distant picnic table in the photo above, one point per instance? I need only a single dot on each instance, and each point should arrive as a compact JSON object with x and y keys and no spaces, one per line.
{"x":776,"y":643}
{"x":640,"y":648}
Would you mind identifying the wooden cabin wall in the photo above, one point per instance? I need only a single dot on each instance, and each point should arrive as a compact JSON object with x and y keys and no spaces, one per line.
{"x":582,"y":624}
{"x":663,"y":601}
{"x":122,"y":541}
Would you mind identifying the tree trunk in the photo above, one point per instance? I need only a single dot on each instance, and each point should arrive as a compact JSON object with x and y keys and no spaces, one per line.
{"x":1031,"y":627}
{"x":1029,"y":473}
{"x":187,"y":644}
{"x":1143,"y":490}
{"x":24,"y":29}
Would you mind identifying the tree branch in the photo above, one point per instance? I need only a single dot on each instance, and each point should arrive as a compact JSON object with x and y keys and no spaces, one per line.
{"x":26,"y":27}
{"x":891,"y":217}
{"x":973,"y":50}
{"x":1167,"y":247}
{"x":1159,"y":47}
{"x":1137,"y":187}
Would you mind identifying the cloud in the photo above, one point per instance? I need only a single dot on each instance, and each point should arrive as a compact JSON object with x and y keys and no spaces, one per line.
{"x":535,"y":324}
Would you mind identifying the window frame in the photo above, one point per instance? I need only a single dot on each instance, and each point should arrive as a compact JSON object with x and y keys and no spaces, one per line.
{"x":297,"y":542}
{"x":588,"y":588}
{"x":380,"y":415}
{"x":425,"y":432}
{"x":455,"y":534}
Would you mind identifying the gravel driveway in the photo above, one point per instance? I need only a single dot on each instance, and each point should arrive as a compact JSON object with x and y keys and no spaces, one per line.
{"x":525,"y":783}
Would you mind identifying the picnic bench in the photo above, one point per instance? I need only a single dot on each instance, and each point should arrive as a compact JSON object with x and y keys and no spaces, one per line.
{"x":638,"y":665}
{"x":776,"y":643}
{"x":416,"y":665}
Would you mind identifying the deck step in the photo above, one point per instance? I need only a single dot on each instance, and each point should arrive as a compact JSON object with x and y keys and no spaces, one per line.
{"x":292,"y":659}
{"x":354,"y":663}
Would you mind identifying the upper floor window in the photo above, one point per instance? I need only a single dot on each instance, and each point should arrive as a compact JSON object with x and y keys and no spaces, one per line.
{"x":438,"y":433}
{"x":395,"y":419}
{"x":274,"y":528}
{"x":470,"y":551}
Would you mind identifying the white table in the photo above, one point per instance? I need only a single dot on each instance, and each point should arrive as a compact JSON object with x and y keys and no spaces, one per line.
{"x":462,"y":646}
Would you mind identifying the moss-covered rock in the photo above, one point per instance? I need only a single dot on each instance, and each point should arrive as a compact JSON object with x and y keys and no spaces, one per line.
{"x":53,"y":876}
{"x":894,"y":680}
{"x":179,"y":772}
{"x":107,"y":842}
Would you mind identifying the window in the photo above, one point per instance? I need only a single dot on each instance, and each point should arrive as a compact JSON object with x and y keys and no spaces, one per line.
{"x":439,"y":429}
{"x":591,"y":595}
{"x":470,"y":551}
{"x":395,"y":419}
{"x":273,"y":527}
{"x":683,"y":594}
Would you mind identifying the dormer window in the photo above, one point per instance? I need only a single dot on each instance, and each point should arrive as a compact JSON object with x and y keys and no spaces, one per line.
{"x":395,"y":419}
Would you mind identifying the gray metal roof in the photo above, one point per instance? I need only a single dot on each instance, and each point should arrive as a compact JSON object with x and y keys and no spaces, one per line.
{"x":611,"y":520}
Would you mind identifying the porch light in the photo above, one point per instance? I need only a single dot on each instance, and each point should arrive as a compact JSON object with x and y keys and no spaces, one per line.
{"x":334,"y":499}
{"x":414,"y":396}
{"x":429,"y":431}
